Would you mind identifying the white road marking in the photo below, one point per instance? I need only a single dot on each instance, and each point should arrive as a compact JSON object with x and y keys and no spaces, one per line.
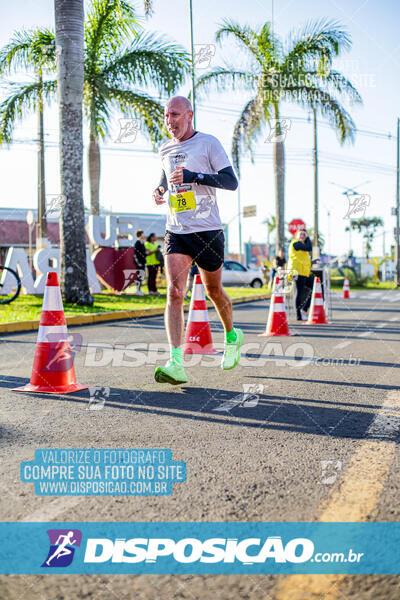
{"x":343,"y":344}
{"x":380,"y":325}
{"x":394,"y":319}
{"x":365,"y":333}
{"x":386,"y":424}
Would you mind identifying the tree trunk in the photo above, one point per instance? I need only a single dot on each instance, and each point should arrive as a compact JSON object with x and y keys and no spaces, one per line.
{"x":94,"y":174}
{"x":279,"y":173}
{"x":69,"y":18}
{"x":41,"y":232}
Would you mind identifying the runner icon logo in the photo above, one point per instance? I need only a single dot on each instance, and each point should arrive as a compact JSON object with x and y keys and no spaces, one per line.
{"x":62,"y":547}
{"x":98,"y":397}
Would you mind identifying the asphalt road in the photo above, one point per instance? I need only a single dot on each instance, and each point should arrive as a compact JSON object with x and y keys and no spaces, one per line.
{"x":319,"y":442}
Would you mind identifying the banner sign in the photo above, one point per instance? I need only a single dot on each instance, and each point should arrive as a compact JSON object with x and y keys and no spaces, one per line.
{"x":192,"y":548}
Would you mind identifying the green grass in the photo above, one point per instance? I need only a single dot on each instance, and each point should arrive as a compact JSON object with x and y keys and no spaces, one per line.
{"x":27,"y":308}
{"x":368,"y":285}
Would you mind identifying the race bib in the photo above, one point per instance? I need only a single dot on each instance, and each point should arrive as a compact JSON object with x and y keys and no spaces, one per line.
{"x":182,"y":201}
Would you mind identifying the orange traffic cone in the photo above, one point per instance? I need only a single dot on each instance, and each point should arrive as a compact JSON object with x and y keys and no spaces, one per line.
{"x":277,"y":321}
{"x":346,"y":289}
{"x":198,"y":338}
{"x":53,"y":366}
{"x":317,"y":311}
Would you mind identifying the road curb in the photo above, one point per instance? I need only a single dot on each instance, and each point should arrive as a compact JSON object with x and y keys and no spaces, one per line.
{"x":118,"y":315}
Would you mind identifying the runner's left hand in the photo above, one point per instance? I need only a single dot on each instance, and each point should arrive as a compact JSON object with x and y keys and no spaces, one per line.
{"x":181,"y":175}
{"x":176,"y":177}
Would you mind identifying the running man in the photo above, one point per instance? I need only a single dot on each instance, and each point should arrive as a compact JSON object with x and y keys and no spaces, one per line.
{"x":62,"y":549}
{"x":194,"y":164}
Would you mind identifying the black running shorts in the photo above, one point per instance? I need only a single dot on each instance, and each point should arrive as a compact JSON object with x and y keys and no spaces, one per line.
{"x":205,"y":247}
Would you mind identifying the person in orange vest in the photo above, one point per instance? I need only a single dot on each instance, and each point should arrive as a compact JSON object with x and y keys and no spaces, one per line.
{"x":300,"y":261}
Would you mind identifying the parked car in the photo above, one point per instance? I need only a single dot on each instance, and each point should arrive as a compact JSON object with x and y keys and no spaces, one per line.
{"x":234,"y":273}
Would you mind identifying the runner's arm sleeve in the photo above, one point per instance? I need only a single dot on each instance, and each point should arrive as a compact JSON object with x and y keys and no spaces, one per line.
{"x":225,"y":179}
{"x":163,"y":182}
{"x":303,"y":246}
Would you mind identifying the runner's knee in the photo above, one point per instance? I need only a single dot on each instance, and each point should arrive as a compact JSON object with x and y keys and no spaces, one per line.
{"x":215,"y":292}
{"x":175,"y":294}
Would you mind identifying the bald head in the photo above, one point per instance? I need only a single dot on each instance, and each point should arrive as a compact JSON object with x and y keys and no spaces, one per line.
{"x":181,"y":102}
{"x":178,"y":118}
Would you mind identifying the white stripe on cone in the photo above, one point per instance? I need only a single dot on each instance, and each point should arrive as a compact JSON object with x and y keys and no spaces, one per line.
{"x":279,"y":307}
{"x":198,"y":316}
{"x":52,"y":298}
{"x":198,"y":292}
{"x":318,"y":302}
{"x":52,"y":333}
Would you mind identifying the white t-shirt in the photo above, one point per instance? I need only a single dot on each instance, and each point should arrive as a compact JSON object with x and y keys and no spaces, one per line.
{"x":192,"y":207}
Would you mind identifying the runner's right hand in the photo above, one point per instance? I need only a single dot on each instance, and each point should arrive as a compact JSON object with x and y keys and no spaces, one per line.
{"x":158,"y":195}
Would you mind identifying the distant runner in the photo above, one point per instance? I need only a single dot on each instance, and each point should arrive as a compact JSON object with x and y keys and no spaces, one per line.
{"x":194,"y":164}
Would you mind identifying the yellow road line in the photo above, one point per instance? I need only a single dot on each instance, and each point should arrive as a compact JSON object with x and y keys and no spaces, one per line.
{"x":351,"y":500}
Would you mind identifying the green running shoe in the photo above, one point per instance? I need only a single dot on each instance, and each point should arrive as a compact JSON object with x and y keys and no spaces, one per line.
{"x":172,"y":373}
{"x":232,"y":352}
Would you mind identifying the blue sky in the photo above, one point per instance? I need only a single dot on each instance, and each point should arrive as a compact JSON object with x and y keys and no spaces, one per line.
{"x":130,"y":172}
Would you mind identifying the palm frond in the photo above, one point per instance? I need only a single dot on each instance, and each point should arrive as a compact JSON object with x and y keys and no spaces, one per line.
{"x":268,"y":44}
{"x":43,"y":49}
{"x":248,"y":128}
{"x":15,"y":54}
{"x":97,"y":109}
{"x":33,"y":49}
{"x":148,"y":111}
{"x":340,"y":84}
{"x":227,"y":78}
{"x":328,"y":106}
{"x":22,"y":100}
{"x":108,"y":23}
{"x":150,"y":60}
{"x":319,"y":40}
{"x":245,"y":35}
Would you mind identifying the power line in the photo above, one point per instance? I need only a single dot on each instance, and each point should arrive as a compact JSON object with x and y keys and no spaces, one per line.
{"x":235,"y":112}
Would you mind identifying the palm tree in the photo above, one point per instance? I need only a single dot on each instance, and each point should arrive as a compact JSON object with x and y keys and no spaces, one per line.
{"x":116,"y":73}
{"x":69,"y":18}
{"x":31,"y":51}
{"x":300,"y":71}
{"x":367,"y":226}
{"x":116,"y":70}
{"x":270,"y":222}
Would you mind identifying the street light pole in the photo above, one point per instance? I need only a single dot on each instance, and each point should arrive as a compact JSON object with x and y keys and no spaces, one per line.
{"x":397,"y":248}
{"x":316,"y":251}
{"x":240,"y":222}
{"x":192,"y":65}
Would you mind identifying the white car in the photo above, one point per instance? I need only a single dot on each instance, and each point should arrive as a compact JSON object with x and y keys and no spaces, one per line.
{"x":234,"y":273}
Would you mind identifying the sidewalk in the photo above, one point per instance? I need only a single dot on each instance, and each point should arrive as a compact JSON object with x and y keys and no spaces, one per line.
{"x":118,"y":315}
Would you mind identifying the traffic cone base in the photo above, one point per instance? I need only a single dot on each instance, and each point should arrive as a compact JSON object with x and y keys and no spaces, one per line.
{"x":73,"y":387}
{"x":277,"y":324}
{"x":317,"y":311}
{"x":53,"y":366}
{"x":198,"y":339}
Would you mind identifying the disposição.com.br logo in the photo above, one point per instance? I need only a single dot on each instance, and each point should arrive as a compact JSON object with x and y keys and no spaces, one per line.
{"x":62,"y":547}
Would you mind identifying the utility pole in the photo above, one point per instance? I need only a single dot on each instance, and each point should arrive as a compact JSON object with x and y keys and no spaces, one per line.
{"x":41,"y":230}
{"x":192,"y":65}
{"x":316,"y":251}
{"x":240,"y":222}
{"x":397,"y":249}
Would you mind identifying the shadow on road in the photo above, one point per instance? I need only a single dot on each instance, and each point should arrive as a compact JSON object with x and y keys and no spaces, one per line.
{"x":196,"y":404}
